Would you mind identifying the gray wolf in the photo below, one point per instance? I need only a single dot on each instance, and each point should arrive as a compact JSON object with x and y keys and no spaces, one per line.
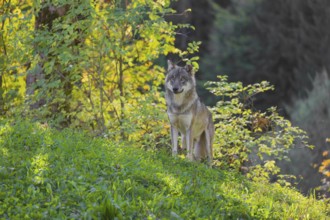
{"x":187,"y":114}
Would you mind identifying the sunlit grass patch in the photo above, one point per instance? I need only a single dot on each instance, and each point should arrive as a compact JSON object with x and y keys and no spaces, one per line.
{"x":67,"y":174}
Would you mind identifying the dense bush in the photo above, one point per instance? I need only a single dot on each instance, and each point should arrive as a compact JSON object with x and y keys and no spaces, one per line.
{"x":249,"y":140}
{"x":83,"y":64}
{"x":65,"y":174}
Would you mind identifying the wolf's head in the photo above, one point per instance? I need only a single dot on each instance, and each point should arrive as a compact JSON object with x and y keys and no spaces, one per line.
{"x":179,"y":79}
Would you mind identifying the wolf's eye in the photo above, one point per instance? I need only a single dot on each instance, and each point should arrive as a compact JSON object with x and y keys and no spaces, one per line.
{"x":182,"y":79}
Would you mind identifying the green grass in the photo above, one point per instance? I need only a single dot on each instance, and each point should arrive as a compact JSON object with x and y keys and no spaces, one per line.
{"x":47,"y":174}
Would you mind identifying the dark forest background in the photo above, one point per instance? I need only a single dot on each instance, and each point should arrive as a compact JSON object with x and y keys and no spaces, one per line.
{"x":284,"y":42}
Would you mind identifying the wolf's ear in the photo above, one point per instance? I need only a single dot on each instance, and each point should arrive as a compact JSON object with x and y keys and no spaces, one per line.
{"x":189,"y":69}
{"x":170,"y":65}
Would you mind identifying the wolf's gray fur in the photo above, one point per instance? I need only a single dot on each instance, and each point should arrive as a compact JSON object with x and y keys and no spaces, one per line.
{"x":187,"y":114}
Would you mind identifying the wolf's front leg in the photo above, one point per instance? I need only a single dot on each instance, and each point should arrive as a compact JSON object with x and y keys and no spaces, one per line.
{"x":174,"y":139}
{"x":189,"y":144}
{"x":208,"y":147}
{"x":183,"y":142}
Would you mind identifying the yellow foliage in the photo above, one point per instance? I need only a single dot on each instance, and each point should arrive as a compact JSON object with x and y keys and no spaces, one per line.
{"x":112,"y":71}
{"x":325,"y":167}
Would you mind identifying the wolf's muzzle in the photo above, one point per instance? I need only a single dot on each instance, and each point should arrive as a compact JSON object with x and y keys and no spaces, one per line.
{"x":177,"y":91}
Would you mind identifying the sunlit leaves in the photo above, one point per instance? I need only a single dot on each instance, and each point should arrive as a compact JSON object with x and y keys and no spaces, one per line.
{"x":247,"y":139}
{"x":90,"y":62}
{"x":118,"y":66}
{"x":15,"y":35}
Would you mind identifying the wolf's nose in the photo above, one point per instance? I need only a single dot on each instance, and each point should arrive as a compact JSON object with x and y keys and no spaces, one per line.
{"x":175,"y":89}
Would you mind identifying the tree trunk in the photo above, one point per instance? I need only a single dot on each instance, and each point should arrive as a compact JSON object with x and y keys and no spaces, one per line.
{"x":122,"y":103}
{"x":44,"y":20}
{"x":2,"y":103}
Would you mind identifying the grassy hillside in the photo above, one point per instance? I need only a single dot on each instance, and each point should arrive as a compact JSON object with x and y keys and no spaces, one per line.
{"x":49,"y":174}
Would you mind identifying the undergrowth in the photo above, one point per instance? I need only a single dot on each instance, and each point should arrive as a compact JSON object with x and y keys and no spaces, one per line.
{"x":65,"y":174}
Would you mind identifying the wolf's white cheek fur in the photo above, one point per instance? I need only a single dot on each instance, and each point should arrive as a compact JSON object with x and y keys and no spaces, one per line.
{"x":169,"y":86}
{"x":187,"y":87}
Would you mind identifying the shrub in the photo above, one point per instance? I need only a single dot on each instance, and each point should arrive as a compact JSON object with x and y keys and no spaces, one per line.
{"x":248,"y":139}
{"x":325,"y":170}
{"x":147,"y":124}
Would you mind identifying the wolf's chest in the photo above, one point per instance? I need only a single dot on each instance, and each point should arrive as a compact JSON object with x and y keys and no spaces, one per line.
{"x":179,"y":99}
{"x":181,"y":121}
